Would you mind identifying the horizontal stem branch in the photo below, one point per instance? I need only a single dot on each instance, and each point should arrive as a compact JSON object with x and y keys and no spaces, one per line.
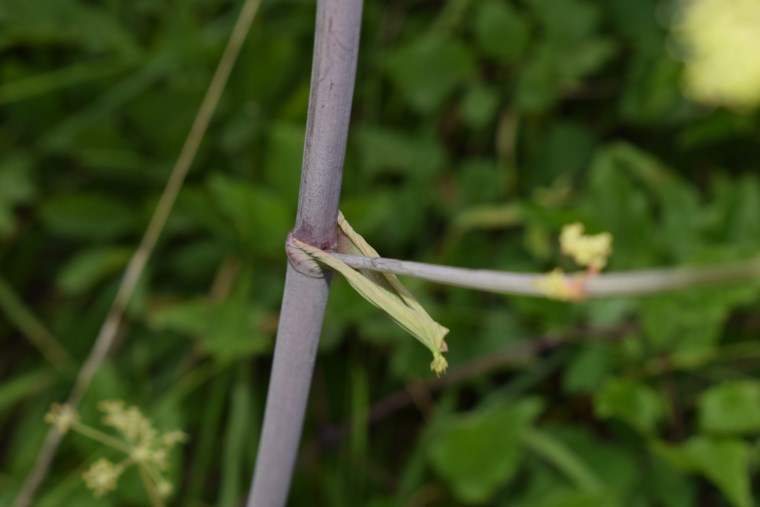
{"x":627,"y":283}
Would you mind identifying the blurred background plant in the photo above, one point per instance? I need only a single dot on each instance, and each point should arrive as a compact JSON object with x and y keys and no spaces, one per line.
{"x":479,"y":130}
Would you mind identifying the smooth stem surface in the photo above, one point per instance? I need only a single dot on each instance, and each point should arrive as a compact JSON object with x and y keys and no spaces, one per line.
{"x":336,"y":46}
{"x":605,"y":285}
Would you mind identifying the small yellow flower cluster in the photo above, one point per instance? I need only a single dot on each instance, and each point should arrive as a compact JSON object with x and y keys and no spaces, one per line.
{"x":103,"y":476}
{"x":721,"y":38}
{"x":63,"y":417}
{"x":143,"y":445}
{"x":590,"y":251}
{"x":128,"y":421}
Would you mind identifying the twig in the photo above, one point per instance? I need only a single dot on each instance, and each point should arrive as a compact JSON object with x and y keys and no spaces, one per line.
{"x":601,"y":286}
{"x":139,"y":259}
{"x":336,"y":46}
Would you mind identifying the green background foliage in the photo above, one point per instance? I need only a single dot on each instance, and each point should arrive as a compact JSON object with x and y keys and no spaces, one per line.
{"x":479,"y":129}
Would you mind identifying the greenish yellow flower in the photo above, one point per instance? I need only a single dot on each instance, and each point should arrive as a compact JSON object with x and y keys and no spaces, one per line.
{"x":721,"y":38}
{"x":63,"y":417}
{"x":172,"y":438}
{"x":128,"y":421}
{"x":439,"y":364}
{"x":164,"y":488}
{"x":591,"y":251}
{"x":142,"y":445}
{"x":102,"y":477}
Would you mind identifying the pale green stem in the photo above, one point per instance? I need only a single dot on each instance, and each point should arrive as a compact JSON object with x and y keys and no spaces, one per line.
{"x":103,"y":438}
{"x":150,"y":486}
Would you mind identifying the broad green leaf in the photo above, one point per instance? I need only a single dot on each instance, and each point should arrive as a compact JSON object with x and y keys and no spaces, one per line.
{"x":731,"y":408}
{"x":63,"y":22}
{"x":24,"y":386}
{"x":226,"y":330}
{"x":631,"y":402}
{"x":612,"y":464}
{"x":543,"y":444}
{"x":501,"y":30}
{"x":560,"y":151}
{"x":90,"y":267}
{"x":587,"y":371}
{"x":667,"y":485}
{"x":479,"y":106}
{"x":724,"y":462}
{"x":615,"y":200}
{"x":88,"y":216}
{"x":651,"y":92}
{"x":569,"y":51}
{"x":483,"y":181}
{"x":427,"y":71}
{"x":479,"y":453}
{"x":384,"y":291}
{"x":260,"y":217}
{"x":498,"y":216}
{"x":384,"y":151}
{"x":694,"y":333}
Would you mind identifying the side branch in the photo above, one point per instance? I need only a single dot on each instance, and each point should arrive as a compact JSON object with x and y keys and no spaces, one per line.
{"x":627,"y":283}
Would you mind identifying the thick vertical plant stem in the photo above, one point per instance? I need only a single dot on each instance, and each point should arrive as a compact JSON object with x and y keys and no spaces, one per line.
{"x":336,"y":46}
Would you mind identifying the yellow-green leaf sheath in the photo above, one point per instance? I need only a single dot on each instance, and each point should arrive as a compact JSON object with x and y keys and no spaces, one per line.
{"x":384,"y":291}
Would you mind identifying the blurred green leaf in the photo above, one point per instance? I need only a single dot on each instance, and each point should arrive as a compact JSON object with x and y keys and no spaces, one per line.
{"x":62,"y":22}
{"x":731,"y":408}
{"x":631,"y":402}
{"x":566,"y":20}
{"x":501,"y":30}
{"x":23,"y":386}
{"x":16,"y":187}
{"x":560,"y":151}
{"x":724,"y":462}
{"x":570,"y":51}
{"x":428,"y":70}
{"x":260,"y":217}
{"x":668,"y":485}
{"x":88,"y":215}
{"x":283,"y":167}
{"x":479,"y":106}
{"x":226,"y":330}
{"x":587,"y":371}
{"x":384,"y":151}
{"x":694,"y":333}
{"x":90,"y":267}
{"x":552,"y":450}
{"x":481,"y":181}
{"x":479,"y":453}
